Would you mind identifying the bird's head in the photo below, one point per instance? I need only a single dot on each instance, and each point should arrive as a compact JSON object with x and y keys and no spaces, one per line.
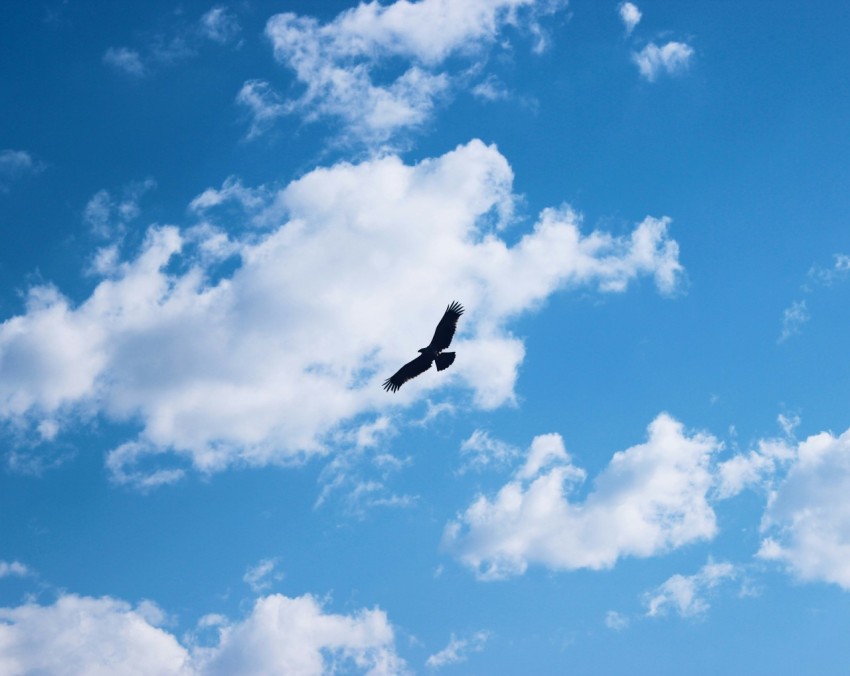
{"x":422,"y":349}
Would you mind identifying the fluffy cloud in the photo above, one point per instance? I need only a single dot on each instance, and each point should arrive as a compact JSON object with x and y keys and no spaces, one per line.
{"x":266,"y":363}
{"x":458,"y":650}
{"x":338,"y":62}
{"x":686,"y":593}
{"x":630,"y":16}
{"x":651,"y":498}
{"x":671,"y":58}
{"x":807,"y":520}
{"x":84,"y":635}
{"x":81,"y":635}
{"x":295,"y":636}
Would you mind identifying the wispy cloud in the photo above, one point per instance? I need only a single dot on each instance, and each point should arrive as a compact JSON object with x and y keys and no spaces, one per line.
{"x":263,"y":575}
{"x":15,"y":164}
{"x":13,"y":569}
{"x":126,"y":60}
{"x":685,"y":594}
{"x":616,"y":621}
{"x":218,"y":25}
{"x":458,"y":650}
{"x":481,"y":451}
{"x":793,"y":318}
{"x":108,"y":215}
{"x":671,"y":58}
{"x":337,"y":62}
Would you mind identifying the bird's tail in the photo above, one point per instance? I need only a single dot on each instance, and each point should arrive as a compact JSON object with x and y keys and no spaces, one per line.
{"x":444,"y":360}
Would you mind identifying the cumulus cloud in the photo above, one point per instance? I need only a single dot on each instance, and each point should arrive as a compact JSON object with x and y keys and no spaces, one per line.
{"x":339,"y":62}
{"x":458,"y":650}
{"x":685,"y":594}
{"x":670,"y":59}
{"x":630,"y":15}
{"x":649,"y":499}
{"x":296,"y":636}
{"x":84,"y":635}
{"x":807,"y":520}
{"x":273,"y":360}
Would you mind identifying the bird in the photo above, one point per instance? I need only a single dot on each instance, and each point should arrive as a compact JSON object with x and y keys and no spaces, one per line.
{"x":443,"y":335}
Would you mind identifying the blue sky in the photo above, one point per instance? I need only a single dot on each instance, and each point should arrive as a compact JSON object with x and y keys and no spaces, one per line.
{"x":224,"y":225}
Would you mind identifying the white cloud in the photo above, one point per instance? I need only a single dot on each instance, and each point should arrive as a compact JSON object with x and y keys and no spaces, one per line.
{"x":458,"y":650}
{"x":267,"y":364}
{"x":180,"y":42}
{"x":827,"y":276}
{"x":481,"y":451}
{"x":793,"y":319}
{"x":125,"y":59}
{"x":686,"y":593}
{"x":651,"y":498}
{"x":104,"y":636}
{"x":14,"y":163}
{"x":13,"y":569}
{"x":295,"y":636}
{"x":672,"y":58}
{"x":338,"y":61}
{"x":219,"y":25}
{"x":807,"y":519}
{"x":82,"y":635}
{"x":616,"y":621}
{"x":630,"y":16}
{"x":263,"y":575}
{"x":108,"y":215}
{"x":264,"y":104}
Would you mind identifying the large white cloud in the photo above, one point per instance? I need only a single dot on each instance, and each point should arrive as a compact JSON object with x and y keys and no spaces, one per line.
{"x":260,"y":365}
{"x":807,"y":520}
{"x":651,"y":498}
{"x":83,"y":635}
{"x":104,"y":636}
{"x":338,"y":61}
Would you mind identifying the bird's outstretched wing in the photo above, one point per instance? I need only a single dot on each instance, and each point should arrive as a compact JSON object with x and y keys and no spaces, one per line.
{"x":446,"y":328}
{"x":410,"y":370}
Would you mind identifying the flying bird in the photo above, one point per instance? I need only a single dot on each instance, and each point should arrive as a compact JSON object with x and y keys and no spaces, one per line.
{"x":443,"y":335}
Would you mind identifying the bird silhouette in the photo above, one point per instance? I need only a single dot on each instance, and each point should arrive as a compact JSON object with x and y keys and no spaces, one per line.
{"x":443,"y":335}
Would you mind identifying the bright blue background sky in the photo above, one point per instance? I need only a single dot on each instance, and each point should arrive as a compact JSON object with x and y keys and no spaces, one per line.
{"x":743,"y":144}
